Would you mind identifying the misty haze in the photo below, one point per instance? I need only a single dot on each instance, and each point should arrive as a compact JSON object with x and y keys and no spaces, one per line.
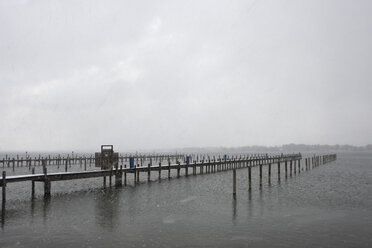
{"x":186,"y":123}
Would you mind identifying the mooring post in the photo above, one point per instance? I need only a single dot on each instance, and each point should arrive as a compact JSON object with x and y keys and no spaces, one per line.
{"x":286,"y":169}
{"x":46,"y":183}
{"x":290,"y":168}
{"x":178,"y":169}
{"x":159,"y":170}
{"x":4,"y":187}
{"x":33,"y":184}
{"x":66,"y":165}
{"x":169,"y":169}
{"x":148,"y":172}
{"x":269,"y":174}
{"x":279,"y":171}
{"x":249,"y":178}
{"x":138,"y":174}
{"x":260,"y":175}
{"x":104,"y":181}
{"x":118,"y":176}
{"x":110,"y":180}
{"x":299,"y":166}
{"x":294,"y":167}
{"x":85,"y":164}
{"x":234,"y":183}
{"x":125,"y":175}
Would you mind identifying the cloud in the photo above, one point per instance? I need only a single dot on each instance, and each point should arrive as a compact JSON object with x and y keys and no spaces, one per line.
{"x":171,"y":74}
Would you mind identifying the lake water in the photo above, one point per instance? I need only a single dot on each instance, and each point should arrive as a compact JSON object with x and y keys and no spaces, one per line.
{"x":329,"y":206}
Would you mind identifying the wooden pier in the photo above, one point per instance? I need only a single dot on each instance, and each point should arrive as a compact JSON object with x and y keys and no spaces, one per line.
{"x":59,"y":160}
{"x":190,"y":167}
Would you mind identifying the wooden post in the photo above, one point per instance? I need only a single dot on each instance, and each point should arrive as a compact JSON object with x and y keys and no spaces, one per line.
{"x":294,"y":167}
{"x":110,"y":180}
{"x":138,"y":174}
{"x":169,"y":170}
{"x":33,"y":184}
{"x":290,"y":168}
{"x":159,"y":171}
{"x":4,"y":187}
{"x":234,"y":184}
{"x":286,"y":169}
{"x":249,"y":178}
{"x":46,"y":183}
{"x":148,"y":172}
{"x":104,"y":181}
{"x":278,"y":171}
{"x":66,"y":165}
{"x":260,"y":175}
{"x":118,"y":176}
{"x":178,"y":170}
{"x":269,"y":174}
{"x":299,"y":166}
{"x":125,"y":178}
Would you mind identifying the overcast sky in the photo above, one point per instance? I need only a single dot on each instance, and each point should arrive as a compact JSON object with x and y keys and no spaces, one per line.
{"x":164,"y":74}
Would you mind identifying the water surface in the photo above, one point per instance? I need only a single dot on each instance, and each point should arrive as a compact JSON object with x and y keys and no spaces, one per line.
{"x":330,"y":206}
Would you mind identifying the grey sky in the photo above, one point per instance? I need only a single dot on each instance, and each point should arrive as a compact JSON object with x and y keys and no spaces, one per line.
{"x":163,"y":74}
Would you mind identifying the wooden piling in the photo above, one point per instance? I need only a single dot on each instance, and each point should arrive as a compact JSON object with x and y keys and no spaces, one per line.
{"x":110,"y":178}
{"x":260,"y":175}
{"x":4,"y":187}
{"x":118,"y":176}
{"x":138,"y":175}
{"x":159,"y":172}
{"x":47,"y":184}
{"x":278,"y":171}
{"x":169,"y":170}
{"x":234,"y":183}
{"x":249,"y":178}
{"x":286,"y":169}
{"x":269,"y":174}
{"x":33,"y":184}
{"x":148,"y":172}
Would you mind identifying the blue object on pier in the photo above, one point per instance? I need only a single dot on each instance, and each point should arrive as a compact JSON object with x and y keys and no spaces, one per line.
{"x":225,"y":157}
{"x":131,"y":162}
{"x":188,"y":160}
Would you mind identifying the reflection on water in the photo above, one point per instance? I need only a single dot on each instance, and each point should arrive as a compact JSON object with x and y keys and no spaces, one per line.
{"x":328,"y":206}
{"x":107,"y":207}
